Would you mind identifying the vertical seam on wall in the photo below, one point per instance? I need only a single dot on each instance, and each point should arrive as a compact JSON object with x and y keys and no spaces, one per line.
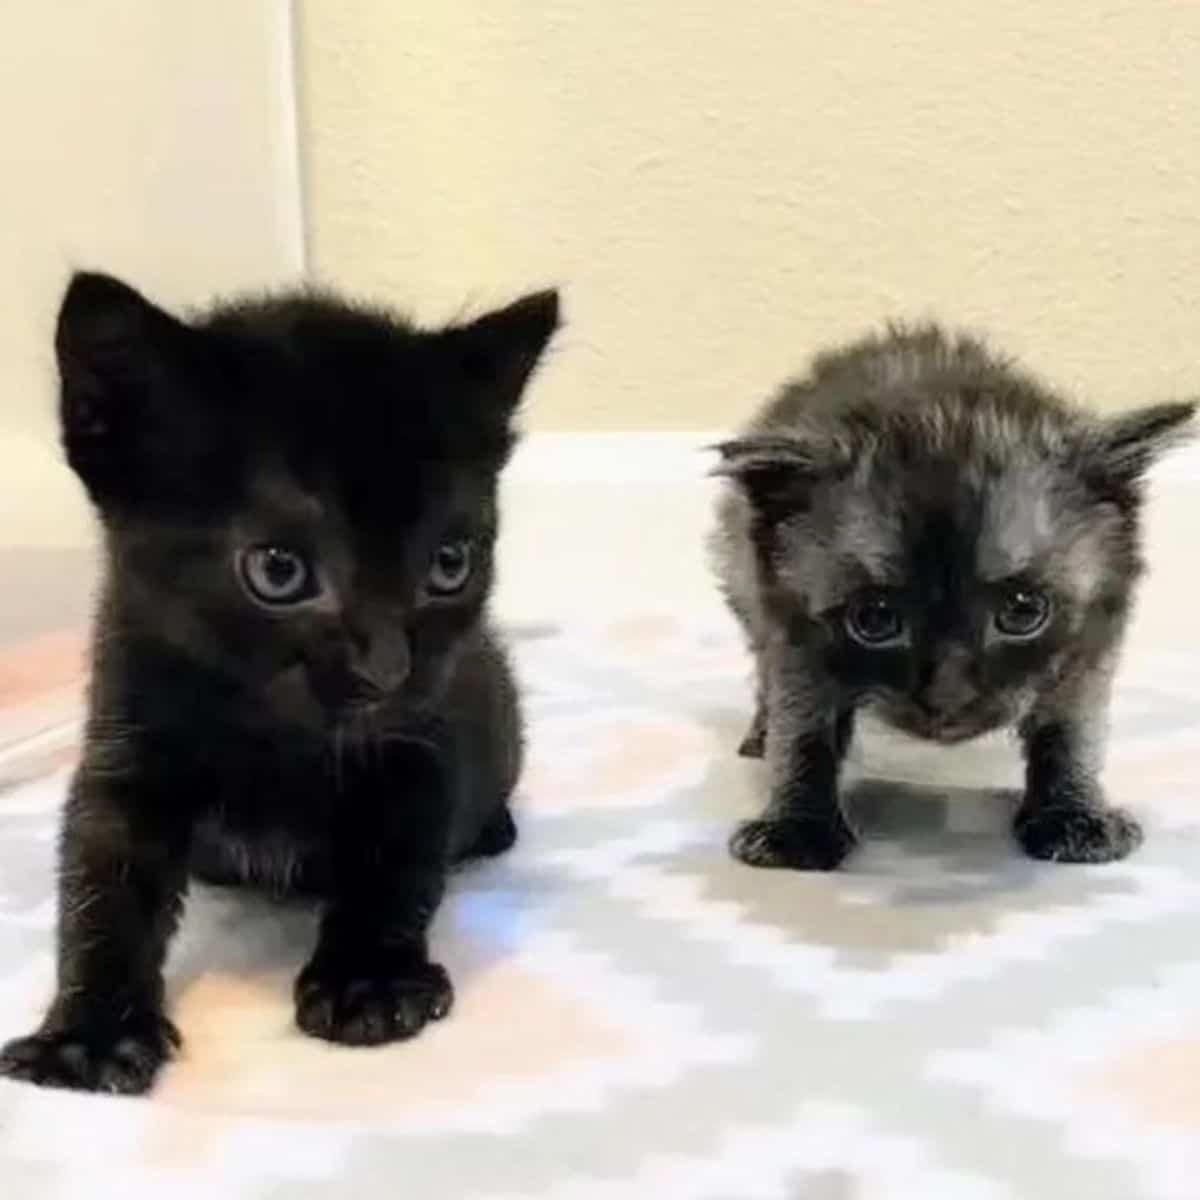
{"x":294,"y":181}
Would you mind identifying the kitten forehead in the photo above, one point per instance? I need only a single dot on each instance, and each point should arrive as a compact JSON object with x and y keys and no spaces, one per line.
{"x":276,"y":490}
{"x":847,"y":541}
{"x":1018,"y":526}
{"x":868,"y":534}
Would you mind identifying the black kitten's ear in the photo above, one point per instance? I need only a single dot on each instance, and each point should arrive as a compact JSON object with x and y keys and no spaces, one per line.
{"x":499,"y":351}
{"x":114,"y":350}
{"x":1123,"y":448}
{"x":775,"y":471}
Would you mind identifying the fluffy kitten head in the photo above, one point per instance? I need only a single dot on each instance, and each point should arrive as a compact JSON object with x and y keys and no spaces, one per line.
{"x":298,"y":494}
{"x":939,"y":530}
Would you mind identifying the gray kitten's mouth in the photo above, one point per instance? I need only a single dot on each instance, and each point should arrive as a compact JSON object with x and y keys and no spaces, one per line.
{"x":946,"y":729}
{"x":950,"y":734}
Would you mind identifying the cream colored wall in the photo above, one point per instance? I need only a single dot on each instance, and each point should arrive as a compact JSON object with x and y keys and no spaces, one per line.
{"x":146,"y":138}
{"x":724,"y":187}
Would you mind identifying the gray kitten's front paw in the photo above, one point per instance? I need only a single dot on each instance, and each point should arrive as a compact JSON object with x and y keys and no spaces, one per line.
{"x":798,"y":844}
{"x":1076,"y":833}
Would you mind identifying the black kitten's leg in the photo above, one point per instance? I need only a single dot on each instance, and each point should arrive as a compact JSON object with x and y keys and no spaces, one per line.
{"x":370,"y":979}
{"x":1064,"y":816}
{"x":802,"y":826}
{"x":496,"y":837}
{"x":121,"y":882}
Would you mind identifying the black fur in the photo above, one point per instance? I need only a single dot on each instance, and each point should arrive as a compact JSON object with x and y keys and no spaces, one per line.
{"x":353,"y":745}
{"x":919,"y":472}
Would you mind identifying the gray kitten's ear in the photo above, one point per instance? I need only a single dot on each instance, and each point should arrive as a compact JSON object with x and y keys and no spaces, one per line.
{"x":775,"y":471}
{"x":1123,"y":447}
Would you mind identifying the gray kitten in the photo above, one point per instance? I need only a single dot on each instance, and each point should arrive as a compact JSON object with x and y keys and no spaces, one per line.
{"x":920,"y":527}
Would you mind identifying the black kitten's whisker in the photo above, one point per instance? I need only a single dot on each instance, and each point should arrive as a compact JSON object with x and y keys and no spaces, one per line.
{"x":359,"y":727}
{"x":374,"y":739}
{"x":337,"y":757}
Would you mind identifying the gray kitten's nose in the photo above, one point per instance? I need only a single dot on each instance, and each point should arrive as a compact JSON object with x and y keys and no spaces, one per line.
{"x":949,"y":687}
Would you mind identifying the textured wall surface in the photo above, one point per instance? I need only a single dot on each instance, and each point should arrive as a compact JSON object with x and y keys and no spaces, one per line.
{"x":147,"y":139}
{"x":722,"y":188}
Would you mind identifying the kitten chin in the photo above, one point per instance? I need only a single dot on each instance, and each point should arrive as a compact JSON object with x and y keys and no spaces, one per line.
{"x":920,"y":525}
{"x":295,"y":685}
{"x":952,"y":729}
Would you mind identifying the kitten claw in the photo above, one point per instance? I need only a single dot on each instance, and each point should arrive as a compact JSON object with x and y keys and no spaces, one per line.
{"x":122,"y":1059}
{"x":357,"y":1009}
{"x":798,"y":844}
{"x":1077,"y":833}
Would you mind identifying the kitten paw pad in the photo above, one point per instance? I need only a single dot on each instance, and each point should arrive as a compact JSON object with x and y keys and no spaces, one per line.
{"x":357,"y":1009}
{"x":123,"y":1059}
{"x":1075,"y":833}
{"x":796,"y":844}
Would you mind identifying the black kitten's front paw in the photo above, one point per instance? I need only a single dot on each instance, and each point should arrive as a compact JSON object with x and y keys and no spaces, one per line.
{"x":798,"y":844}
{"x":1077,"y":833}
{"x":119,"y":1057}
{"x":361,"y":1008}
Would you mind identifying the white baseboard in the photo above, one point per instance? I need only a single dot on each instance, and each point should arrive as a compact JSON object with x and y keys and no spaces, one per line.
{"x":1180,"y":466}
{"x":684,"y":457}
{"x":41,"y":503}
{"x":633,"y":457}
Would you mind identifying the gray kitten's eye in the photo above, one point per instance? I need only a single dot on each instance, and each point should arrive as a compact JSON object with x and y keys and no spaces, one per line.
{"x":874,"y":621}
{"x":1022,"y":613}
{"x":451,"y":568}
{"x":277,"y":576}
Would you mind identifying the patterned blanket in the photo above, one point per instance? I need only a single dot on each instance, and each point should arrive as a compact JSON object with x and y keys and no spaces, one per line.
{"x":638,"y":1015}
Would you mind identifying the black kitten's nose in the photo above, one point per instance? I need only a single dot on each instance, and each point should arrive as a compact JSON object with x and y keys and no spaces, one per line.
{"x":377,"y":665}
{"x":361,"y":692}
{"x":363,"y":678}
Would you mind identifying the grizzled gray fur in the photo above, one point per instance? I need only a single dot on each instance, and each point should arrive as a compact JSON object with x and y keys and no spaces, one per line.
{"x":922,"y":528}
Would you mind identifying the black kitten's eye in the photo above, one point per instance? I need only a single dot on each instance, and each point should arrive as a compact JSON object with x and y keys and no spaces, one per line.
{"x":275,"y":575}
{"x":451,"y":568}
{"x":874,"y":621}
{"x":1022,"y":612}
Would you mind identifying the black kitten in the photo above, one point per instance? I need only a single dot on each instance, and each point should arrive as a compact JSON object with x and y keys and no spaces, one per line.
{"x":294,"y":681}
{"x":924,"y":529}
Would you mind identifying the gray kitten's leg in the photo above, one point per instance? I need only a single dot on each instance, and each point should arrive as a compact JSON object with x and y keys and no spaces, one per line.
{"x":1063,"y":816}
{"x":803,"y":826}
